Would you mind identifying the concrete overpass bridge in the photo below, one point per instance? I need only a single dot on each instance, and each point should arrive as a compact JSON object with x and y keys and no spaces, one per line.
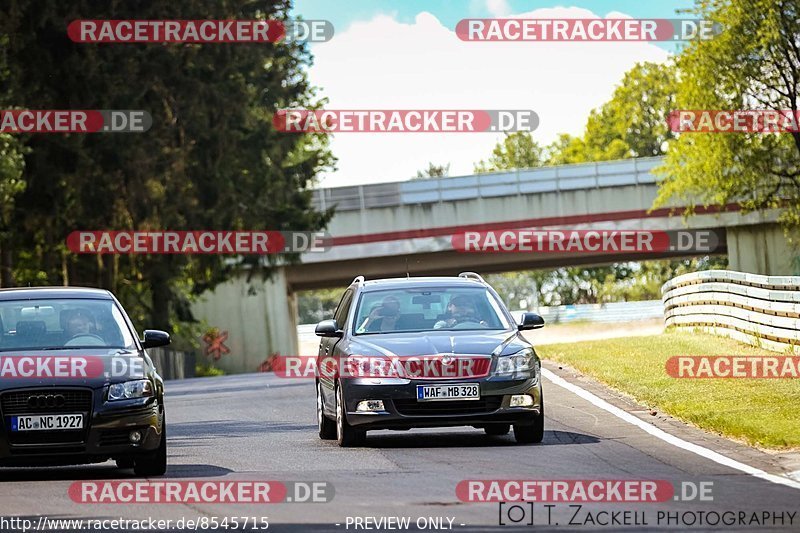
{"x":389,"y":229}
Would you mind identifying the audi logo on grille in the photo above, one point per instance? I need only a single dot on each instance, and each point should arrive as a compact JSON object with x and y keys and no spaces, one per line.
{"x":44,"y":401}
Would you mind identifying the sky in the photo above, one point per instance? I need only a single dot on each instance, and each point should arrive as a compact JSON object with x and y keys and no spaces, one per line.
{"x":404,"y":54}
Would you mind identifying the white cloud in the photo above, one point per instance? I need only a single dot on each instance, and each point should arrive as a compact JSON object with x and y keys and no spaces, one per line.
{"x":385,"y":64}
{"x":498,"y":8}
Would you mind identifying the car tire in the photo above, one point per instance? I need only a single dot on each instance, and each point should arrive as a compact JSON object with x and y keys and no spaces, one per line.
{"x":154,"y":463}
{"x":326,"y":426}
{"x":531,"y":433}
{"x":346,"y":435}
{"x":125,"y":463}
{"x":497,"y":429}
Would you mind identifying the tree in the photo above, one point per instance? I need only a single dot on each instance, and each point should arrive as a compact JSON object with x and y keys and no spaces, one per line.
{"x":643,"y":280}
{"x":514,"y":287}
{"x":753,"y":64}
{"x":517,"y":150}
{"x":633,"y":123}
{"x":618,"y":282}
{"x":316,"y":305}
{"x":566,"y":150}
{"x":12,"y":165}
{"x":433,"y":171}
{"x":212,"y":159}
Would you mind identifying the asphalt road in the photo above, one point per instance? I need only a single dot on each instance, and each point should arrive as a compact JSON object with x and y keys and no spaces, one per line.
{"x":260,"y":427}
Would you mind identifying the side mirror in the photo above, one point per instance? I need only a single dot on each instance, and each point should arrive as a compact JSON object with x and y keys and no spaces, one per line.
{"x":530,"y":321}
{"x":154,"y":338}
{"x":328,"y":328}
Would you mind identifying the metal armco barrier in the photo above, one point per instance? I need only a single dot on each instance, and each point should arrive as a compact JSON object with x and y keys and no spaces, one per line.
{"x":759,"y":310}
{"x":172,"y":364}
{"x":608,"y":312}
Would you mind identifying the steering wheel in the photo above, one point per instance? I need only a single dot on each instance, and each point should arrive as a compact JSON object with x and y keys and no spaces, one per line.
{"x":86,"y":339}
{"x":469,"y":324}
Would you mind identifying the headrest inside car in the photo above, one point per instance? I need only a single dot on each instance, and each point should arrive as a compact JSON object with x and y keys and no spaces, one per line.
{"x":31,"y":328}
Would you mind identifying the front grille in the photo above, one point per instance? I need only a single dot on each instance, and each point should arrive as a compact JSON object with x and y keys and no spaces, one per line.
{"x":411,"y":407}
{"x":457,"y":367}
{"x":54,"y":454}
{"x":46,"y":401}
{"x":33,"y":438}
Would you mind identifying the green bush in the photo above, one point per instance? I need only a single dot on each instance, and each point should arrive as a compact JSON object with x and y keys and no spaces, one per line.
{"x":204,"y":371}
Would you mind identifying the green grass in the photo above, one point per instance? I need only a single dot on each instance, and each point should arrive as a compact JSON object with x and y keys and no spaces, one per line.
{"x":760,"y":412}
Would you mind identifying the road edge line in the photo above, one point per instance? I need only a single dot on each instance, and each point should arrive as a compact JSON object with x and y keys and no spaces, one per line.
{"x":667,"y":437}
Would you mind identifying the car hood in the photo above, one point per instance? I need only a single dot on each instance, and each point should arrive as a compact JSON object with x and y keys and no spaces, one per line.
{"x":436,"y":342}
{"x":93,"y":368}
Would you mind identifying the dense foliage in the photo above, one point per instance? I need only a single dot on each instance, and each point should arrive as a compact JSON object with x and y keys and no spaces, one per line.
{"x":212,"y":159}
{"x":753,"y":64}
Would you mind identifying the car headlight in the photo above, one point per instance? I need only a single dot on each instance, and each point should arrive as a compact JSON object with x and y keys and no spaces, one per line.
{"x":141,"y":388}
{"x":521,"y":365}
{"x":365,"y":366}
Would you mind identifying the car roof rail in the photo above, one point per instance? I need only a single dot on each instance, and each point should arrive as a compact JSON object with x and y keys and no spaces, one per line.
{"x":472,"y":275}
{"x":358,"y":280}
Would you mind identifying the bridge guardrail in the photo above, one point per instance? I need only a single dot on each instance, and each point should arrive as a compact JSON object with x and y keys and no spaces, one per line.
{"x":751,"y":308}
{"x":523,"y":181}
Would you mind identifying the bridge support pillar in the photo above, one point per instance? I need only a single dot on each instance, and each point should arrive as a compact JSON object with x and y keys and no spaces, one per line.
{"x":259,"y":317}
{"x":761,"y":249}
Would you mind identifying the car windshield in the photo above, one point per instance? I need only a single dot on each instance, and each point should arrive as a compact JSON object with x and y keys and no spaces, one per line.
{"x":58,"y":324}
{"x":428,"y":309}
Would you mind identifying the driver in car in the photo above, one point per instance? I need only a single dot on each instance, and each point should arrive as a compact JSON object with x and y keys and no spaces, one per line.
{"x":80,"y":322}
{"x":460,"y":310}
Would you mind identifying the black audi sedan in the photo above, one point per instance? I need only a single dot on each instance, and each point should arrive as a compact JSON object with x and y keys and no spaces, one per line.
{"x":427,"y":352}
{"x":76,"y":384}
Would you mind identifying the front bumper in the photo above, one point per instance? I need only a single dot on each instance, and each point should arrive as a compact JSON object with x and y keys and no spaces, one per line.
{"x":403,"y":411}
{"x":107,"y":427}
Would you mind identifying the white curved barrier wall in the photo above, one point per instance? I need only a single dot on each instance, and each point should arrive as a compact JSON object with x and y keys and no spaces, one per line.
{"x":760,"y":310}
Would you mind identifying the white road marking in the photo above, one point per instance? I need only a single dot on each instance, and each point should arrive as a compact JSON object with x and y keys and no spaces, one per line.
{"x":666,"y":437}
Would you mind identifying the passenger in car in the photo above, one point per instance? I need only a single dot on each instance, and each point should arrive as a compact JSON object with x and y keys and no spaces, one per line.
{"x":382,"y":318}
